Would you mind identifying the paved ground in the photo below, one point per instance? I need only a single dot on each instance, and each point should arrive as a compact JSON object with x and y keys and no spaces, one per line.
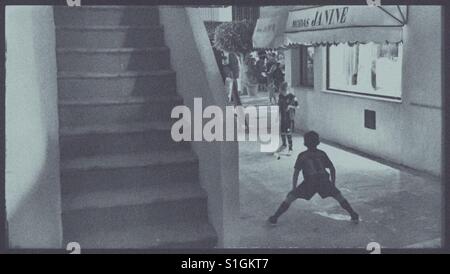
{"x":261,"y":99}
{"x":398,"y":208}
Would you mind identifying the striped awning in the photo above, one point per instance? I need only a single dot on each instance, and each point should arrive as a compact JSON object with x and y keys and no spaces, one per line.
{"x":321,"y":25}
{"x":345,"y":24}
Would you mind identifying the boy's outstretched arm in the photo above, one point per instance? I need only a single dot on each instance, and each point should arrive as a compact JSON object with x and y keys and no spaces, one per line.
{"x":295,"y":178}
{"x":330,"y":166}
{"x":332,"y":174}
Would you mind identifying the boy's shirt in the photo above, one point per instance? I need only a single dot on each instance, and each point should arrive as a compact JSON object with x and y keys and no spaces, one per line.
{"x":313,"y":163}
{"x":287,"y":104}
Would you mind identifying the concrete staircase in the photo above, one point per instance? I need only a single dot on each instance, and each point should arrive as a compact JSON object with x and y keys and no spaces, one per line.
{"x":125,"y":183}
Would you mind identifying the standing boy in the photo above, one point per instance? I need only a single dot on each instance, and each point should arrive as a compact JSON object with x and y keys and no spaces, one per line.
{"x":287,"y":103}
{"x":261,"y":66}
{"x":313,"y":162}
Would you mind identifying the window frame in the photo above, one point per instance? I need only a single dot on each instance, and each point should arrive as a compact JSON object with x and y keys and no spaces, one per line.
{"x":303,"y":55}
{"x":353,"y":93}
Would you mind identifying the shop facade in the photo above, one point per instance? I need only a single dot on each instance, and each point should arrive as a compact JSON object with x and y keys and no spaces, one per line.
{"x":374,"y":85}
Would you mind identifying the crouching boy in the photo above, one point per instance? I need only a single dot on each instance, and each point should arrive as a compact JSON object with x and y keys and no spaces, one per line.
{"x":313,"y":162}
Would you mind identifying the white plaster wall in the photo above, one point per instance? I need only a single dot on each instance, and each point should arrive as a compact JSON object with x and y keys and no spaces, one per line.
{"x":408,"y":133}
{"x":198,"y":76}
{"x":269,"y":11}
{"x":422,"y":145}
{"x":32,"y":154}
{"x":215,"y":14}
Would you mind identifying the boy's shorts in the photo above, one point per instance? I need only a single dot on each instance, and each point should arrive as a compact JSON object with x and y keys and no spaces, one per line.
{"x":286,"y":125}
{"x":308,"y":188}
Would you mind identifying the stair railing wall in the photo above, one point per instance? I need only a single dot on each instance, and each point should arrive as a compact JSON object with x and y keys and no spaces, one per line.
{"x":197,"y":76}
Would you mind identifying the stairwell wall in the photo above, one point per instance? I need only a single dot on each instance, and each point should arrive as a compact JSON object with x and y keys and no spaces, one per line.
{"x":32,"y":150}
{"x":198,"y":76}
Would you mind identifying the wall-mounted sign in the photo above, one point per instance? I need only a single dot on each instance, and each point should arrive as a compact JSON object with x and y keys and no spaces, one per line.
{"x":328,"y":17}
{"x":332,"y":24}
{"x":269,"y":32}
{"x":342,"y":24}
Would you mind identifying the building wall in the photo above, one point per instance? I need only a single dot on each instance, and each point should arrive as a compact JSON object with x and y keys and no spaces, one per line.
{"x":245,"y":13}
{"x":268,"y":11}
{"x":407,"y":133}
{"x":32,"y":154}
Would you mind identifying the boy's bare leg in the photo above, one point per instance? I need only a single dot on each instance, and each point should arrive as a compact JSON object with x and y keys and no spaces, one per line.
{"x":289,"y":137}
{"x":282,"y":208}
{"x":346,"y":205}
{"x":283,"y":139}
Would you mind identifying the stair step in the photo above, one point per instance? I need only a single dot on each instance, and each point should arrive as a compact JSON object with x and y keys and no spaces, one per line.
{"x":131,"y":100}
{"x":93,"y":211}
{"x":105,"y":162}
{"x":114,"y":128}
{"x":117,"y":138}
{"x":127,"y":74}
{"x":109,"y":36}
{"x":88,"y":111}
{"x":108,"y":172}
{"x":131,"y":196}
{"x":79,"y":85}
{"x":113,"y":60}
{"x":183,"y":235}
{"x":111,"y":50}
{"x":106,"y":15}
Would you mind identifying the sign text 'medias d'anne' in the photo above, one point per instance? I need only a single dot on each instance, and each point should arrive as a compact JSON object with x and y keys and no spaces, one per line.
{"x":321,"y":18}
{"x":267,"y":28}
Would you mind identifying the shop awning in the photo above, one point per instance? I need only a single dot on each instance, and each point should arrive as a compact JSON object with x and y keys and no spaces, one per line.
{"x":345,"y":24}
{"x":269,"y":32}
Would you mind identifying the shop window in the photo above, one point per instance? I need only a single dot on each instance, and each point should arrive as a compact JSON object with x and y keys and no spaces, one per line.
{"x":366,"y":69}
{"x":307,"y":66}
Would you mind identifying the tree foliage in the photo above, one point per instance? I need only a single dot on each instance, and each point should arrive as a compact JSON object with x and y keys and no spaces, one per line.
{"x":234,"y":37}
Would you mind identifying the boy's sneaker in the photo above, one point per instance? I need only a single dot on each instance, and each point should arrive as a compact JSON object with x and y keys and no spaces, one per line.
{"x":355,"y":218}
{"x":272,"y":220}
{"x":289,"y":152}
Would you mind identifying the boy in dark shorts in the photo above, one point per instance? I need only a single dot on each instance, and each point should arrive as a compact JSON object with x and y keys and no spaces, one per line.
{"x":313,"y":162}
{"x":287,"y":103}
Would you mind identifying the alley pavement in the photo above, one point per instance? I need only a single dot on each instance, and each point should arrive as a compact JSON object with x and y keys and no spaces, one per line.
{"x":398,"y":207}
